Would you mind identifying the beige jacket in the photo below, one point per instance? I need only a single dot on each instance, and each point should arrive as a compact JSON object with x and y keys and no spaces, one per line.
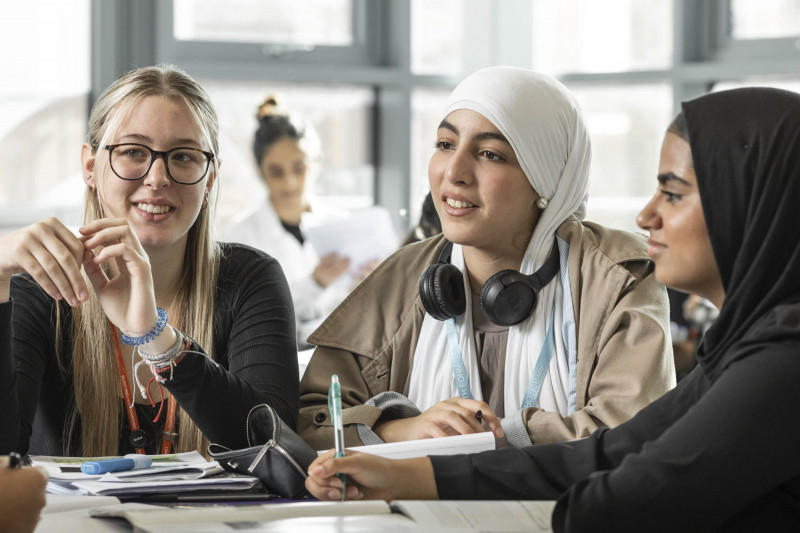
{"x":624,"y":355}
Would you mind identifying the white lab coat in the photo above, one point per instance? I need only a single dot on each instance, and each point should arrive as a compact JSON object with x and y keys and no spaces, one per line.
{"x":261,"y":228}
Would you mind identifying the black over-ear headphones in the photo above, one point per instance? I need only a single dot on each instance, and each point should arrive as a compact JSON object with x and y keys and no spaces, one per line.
{"x":507,"y":298}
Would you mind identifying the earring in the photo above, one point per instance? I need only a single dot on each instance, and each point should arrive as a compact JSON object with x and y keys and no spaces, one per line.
{"x":542,"y":202}
{"x":205,"y":200}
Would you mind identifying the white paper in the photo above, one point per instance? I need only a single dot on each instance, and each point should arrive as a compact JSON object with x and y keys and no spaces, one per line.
{"x":169,"y":473}
{"x":457,"y":444}
{"x":505,"y":516}
{"x":363,"y":237}
{"x":390,"y":523}
{"x":144,"y":519}
{"x":136,"y":488}
{"x":57,"y":503}
{"x":188,"y":463}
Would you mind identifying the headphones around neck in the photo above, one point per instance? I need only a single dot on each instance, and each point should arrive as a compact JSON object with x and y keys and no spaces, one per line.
{"x":507,"y":298}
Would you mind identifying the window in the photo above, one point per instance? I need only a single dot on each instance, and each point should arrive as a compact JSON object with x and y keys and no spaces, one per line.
{"x":626,"y":125}
{"x":437,"y":41}
{"x":631,"y":63}
{"x":43,"y":110}
{"x":764,"y":19}
{"x":789,"y":84}
{"x":597,"y":49}
{"x":302,"y":23}
{"x":609,"y":36}
{"x":246,"y":31}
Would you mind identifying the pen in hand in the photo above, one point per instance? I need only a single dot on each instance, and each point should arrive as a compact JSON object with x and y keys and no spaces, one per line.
{"x":479,"y":416}
{"x":335,"y":408}
{"x":14,"y":460}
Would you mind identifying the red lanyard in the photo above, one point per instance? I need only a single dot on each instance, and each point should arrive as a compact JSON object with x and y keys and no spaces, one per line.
{"x":137,"y":434}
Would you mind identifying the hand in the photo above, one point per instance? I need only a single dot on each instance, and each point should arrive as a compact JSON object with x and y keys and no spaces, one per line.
{"x":330,"y":268}
{"x":21,"y":497}
{"x":365,"y":270}
{"x":371,"y":477}
{"x":455,"y":416}
{"x":51,"y":254}
{"x":128,"y":299}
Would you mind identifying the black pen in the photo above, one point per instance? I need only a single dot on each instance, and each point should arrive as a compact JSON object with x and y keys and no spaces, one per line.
{"x":479,"y":416}
{"x":14,"y":460}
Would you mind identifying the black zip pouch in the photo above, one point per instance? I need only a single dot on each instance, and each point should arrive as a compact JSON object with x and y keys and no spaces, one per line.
{"x":277,"y":455}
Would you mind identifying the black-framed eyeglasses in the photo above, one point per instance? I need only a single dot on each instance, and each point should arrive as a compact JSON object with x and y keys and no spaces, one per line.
{"x":132,"y":161}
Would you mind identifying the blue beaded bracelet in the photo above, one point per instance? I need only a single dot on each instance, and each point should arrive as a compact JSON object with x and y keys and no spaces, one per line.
{"x":152,"y":334}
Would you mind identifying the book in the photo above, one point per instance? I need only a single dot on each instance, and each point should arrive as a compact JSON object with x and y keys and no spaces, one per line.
{"x":453,"y":445}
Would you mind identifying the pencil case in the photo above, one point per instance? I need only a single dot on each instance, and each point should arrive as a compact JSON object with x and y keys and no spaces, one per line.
{"x":276,"y":454}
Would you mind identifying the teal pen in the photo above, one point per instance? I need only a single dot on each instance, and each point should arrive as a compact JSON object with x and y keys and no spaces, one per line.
{"x":335,"y":408}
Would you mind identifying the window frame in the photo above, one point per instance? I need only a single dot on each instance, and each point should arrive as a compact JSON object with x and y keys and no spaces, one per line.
{"x":364,"y":50}
{"x":131,"y":33}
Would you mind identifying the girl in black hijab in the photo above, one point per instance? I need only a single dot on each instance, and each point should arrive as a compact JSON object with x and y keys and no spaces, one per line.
{"x":721,"y":451}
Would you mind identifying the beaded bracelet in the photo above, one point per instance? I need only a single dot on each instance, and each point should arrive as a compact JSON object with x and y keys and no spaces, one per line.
{"x":159,"y":363}
{"x":152,"y":334}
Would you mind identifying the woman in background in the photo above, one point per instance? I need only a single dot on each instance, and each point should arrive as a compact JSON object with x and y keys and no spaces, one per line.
{"x":288,"y":151}
{"x":719,"y":452}
{"x":142,"y":333}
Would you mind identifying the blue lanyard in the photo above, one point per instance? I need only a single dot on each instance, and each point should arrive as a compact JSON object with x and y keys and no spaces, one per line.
{"x":457,"y":361}
{"x":539,"y":371}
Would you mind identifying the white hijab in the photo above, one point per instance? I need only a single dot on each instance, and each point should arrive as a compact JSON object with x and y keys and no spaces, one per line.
{"x":546,"y":129}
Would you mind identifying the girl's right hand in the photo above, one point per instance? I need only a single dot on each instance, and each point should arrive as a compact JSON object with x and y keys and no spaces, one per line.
{"x":455,"y":416}
{"x":51,"y":254}
{"x":371,"y":477}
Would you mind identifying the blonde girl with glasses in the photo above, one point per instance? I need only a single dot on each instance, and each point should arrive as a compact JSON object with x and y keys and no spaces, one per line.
{"x":141,"y":333}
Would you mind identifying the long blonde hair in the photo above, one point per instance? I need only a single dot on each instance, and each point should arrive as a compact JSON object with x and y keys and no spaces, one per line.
{"x":94,"y":365}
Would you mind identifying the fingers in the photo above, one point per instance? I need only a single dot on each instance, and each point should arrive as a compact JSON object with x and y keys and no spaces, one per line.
{"x":42,"y":472}
{"x":107,"y":232}
{"x":52,"y":255}
{"x":118,"y":251}
{"x":458,"y":416}
{"x":467,"y":411}
{"x":94,"y":271}
{"x":493,"y":423}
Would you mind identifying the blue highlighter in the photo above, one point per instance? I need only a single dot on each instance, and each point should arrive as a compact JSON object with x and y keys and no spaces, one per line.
{"x":335,"y":408}
{"x":132,"y":461}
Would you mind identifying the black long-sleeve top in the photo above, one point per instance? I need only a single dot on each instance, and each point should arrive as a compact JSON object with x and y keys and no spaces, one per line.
{"x":712,"y":454}
{"x":254,"y":342}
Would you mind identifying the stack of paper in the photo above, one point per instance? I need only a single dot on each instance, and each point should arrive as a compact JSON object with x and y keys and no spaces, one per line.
{"x":170,"y":473}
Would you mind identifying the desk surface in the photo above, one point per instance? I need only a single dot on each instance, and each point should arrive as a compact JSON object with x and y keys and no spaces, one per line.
{"x":71,"y":513}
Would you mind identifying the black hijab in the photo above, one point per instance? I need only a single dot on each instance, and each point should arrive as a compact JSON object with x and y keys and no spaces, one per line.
{"x":746,"y":150}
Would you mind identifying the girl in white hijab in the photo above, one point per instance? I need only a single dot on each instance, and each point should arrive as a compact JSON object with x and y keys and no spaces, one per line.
{"x":509,"y":179}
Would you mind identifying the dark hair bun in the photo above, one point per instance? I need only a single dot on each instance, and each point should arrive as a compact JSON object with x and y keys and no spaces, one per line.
{"x":268,"y":108}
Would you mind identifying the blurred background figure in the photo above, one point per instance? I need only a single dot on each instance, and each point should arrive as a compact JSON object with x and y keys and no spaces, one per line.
{"x":428,"y":225}
{"x":288,"y":154}
{"x":690,"y":316}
